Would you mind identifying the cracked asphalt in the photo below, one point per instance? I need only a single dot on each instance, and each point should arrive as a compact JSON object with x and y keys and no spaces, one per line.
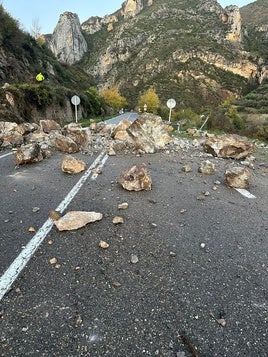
{"x":199,"y":287}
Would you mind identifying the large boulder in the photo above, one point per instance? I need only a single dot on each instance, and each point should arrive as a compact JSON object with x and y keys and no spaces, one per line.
{"x":136,"y":179}
{"x":229,"y":146}
{"x":28,"y":154}
{"x":81,"y":136}
{"x":120,"y":131}
{"x":71,"y":165}
{"x":149,"y":133}
{"x":63,"y":143}
{"x":237,"y":177}
{"x":9,"y":135}
{"x":49,"y":125}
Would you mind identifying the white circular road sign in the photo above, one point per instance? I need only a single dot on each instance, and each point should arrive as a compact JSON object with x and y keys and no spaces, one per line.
{"x":75,"y":100}
{"x":171,"y":103}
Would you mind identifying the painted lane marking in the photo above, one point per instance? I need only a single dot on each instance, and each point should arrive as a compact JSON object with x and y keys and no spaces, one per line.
{"x":11,"y":274}
{"x":245,"y":193}
{"x":10,"y":153}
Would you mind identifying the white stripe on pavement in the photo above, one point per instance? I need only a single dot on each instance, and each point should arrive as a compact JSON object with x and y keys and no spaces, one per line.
{"x":10,"y":153}
{"x":245,"y":193}
{"x":11,"y":274}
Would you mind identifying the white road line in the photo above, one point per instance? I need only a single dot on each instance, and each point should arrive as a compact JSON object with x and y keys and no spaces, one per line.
{"x":245,"y":193}
{"x":11,"y":274}
{"x":10,"y":153}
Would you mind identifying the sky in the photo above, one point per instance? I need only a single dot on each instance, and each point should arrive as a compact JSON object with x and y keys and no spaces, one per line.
{"x":46,"y":13}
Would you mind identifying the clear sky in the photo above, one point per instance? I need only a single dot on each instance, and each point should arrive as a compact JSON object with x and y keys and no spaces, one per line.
{"x":46,"y":13}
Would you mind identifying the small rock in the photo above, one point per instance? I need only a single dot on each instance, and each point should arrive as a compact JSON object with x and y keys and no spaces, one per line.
{"x":118,"y":220}
{"x":31,"y":229}
{"x":202,"y":245}
{"x":172,"y":254}
{"x":207,"y":167}
{"x":53,"y":261}
{"x":123,"y":205}
{"x":134,"y":259}
{"x":182,"y":211}
{"x":36,"y":209}
{"x":104,"y":245}
{"x":201,"y":198}
{"x":77,"y":219}
{"x":186,"y":168}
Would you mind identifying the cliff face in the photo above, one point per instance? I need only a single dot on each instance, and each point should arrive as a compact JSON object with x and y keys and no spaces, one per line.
{"x":67,"y":41}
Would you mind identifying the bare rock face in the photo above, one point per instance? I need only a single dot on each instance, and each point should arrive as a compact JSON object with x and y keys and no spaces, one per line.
{"x":28,"y":154}
{"x":71,"y":165}
{"x":207,"y":168}
{"x":237,"y":177}
{"x":63,"y":143}
{"x":49,"y":125}
{"x":67,"y":42}
{"x":131,"y":8}
{"x":136,"y":179}
{"x":76,"y":219}
{"x":149,"y":133}
{"x":229,"y":146}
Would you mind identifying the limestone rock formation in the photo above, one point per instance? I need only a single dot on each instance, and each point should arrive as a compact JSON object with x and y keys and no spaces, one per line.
{"x":67,"y":42}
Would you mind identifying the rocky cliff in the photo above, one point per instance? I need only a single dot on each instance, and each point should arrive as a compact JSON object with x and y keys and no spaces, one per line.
{"x":67,"y":41}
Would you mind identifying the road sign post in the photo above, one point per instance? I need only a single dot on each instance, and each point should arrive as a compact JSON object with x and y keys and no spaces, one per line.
{"x":75,"y":101}
{"x":171,"y":103}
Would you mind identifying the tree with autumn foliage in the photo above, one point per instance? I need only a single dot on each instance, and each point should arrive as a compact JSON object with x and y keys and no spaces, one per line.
{"x":113,"y":98}
{"x":149,"y":98}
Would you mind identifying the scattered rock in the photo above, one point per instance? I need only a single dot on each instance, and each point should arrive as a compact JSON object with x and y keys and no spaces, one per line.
{"x":104,"y":245}
{"x":120,"y":133}
{"x":71,"y":165}
{"x":54,"y":215}
{"x":123,"y":205}
{"x":28,"y":154}
{"x":229,"y":146}
{"x":136,"y":179}
{"x":76,"y":219}
{"x":207,"y":168}
{"x":149,"y":133}
{"x":118,"y":220}
{"x":31,"y":229}
{"x":237,"y":177}
{"x":186,"y":168}
{"x":53,"y":261}
{"x":134,"y":259}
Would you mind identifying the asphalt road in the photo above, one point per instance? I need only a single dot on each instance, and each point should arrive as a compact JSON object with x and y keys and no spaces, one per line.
{"x":174,"y":301}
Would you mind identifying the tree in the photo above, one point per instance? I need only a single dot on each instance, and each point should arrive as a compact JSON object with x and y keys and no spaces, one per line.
{"x":36,"y":29}
{"x":113,"y":98}
{"x":149,"y":98}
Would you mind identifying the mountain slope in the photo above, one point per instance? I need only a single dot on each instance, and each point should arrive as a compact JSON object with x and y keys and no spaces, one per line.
{"x":176,"y":47}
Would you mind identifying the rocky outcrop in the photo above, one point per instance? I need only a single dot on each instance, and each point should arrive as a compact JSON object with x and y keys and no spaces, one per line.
{"x":232,"y":17}
{"x":67,"y":42}
{"x":129,"y":9}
